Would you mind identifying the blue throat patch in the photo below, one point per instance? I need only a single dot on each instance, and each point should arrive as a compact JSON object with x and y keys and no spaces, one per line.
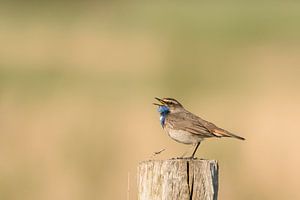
{"x":164,"y":111}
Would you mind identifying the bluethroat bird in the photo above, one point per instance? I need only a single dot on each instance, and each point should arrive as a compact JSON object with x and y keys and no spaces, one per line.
{"x":185,"y":127}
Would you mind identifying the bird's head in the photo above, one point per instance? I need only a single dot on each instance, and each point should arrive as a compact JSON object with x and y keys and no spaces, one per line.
{"x":168,"y":105}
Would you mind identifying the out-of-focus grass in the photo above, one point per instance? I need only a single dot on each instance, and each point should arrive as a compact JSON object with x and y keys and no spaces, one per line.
{"x":77,"y":81}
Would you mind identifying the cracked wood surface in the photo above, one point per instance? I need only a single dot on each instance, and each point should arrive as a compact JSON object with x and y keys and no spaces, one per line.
{"x":184,"y":179}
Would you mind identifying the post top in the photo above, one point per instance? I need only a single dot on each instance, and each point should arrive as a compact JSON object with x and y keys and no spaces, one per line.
{"x":179,"y":160}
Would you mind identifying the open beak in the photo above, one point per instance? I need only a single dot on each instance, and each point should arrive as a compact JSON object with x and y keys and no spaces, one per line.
{"x":160,"y":100}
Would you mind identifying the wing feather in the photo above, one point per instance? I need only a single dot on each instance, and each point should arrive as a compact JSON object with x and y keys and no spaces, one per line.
{"x":195,"y":125}
{"x":190,"y":124}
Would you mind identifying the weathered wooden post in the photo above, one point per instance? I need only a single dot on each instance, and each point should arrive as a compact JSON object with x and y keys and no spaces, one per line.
{"x":182,"y":179}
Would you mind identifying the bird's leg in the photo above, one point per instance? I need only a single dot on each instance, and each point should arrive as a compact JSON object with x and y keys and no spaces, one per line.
{"x":197,"y":145}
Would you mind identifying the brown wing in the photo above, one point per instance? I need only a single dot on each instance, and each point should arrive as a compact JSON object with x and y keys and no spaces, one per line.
{"x":218,"y":132}
{"x":189,"y":122}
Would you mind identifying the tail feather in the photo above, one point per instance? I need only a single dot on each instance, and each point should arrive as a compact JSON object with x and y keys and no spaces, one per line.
{"x":224,"y":133}
{"x":235,"y":136}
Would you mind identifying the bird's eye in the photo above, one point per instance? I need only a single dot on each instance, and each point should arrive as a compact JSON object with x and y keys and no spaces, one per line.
{"x":171,"y":103}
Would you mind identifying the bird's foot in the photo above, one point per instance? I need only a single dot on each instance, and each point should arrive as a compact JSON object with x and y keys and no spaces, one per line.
{"x":191,"y":157}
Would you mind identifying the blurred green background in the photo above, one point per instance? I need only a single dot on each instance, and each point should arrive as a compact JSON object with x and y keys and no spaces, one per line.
{"x":77,"y":80}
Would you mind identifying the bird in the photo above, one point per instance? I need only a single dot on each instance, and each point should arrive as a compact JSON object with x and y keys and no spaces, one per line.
{"x":186,"y":127}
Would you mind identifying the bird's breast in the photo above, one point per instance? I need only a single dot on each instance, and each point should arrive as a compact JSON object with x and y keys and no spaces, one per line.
{"x":183,"y":136}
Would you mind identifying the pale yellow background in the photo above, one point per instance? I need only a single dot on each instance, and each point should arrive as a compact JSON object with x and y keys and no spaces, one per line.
{"x":77,"y":81}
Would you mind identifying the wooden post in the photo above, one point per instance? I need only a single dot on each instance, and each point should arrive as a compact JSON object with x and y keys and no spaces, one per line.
{"x":182,"y":179}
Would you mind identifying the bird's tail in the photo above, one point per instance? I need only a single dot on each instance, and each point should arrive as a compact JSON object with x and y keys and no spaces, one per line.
{"x":224,"y":133}
{"x":235,"y":136}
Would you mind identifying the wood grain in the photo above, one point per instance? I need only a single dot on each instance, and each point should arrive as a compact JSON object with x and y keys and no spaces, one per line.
{"x":184,"y":179}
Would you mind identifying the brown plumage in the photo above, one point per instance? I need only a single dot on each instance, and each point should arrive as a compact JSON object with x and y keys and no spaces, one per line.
{"x":186,"y":127}
{"x":189,"y":122}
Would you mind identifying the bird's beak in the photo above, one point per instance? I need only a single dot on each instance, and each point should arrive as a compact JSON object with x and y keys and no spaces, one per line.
{"x":160,"y":100}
